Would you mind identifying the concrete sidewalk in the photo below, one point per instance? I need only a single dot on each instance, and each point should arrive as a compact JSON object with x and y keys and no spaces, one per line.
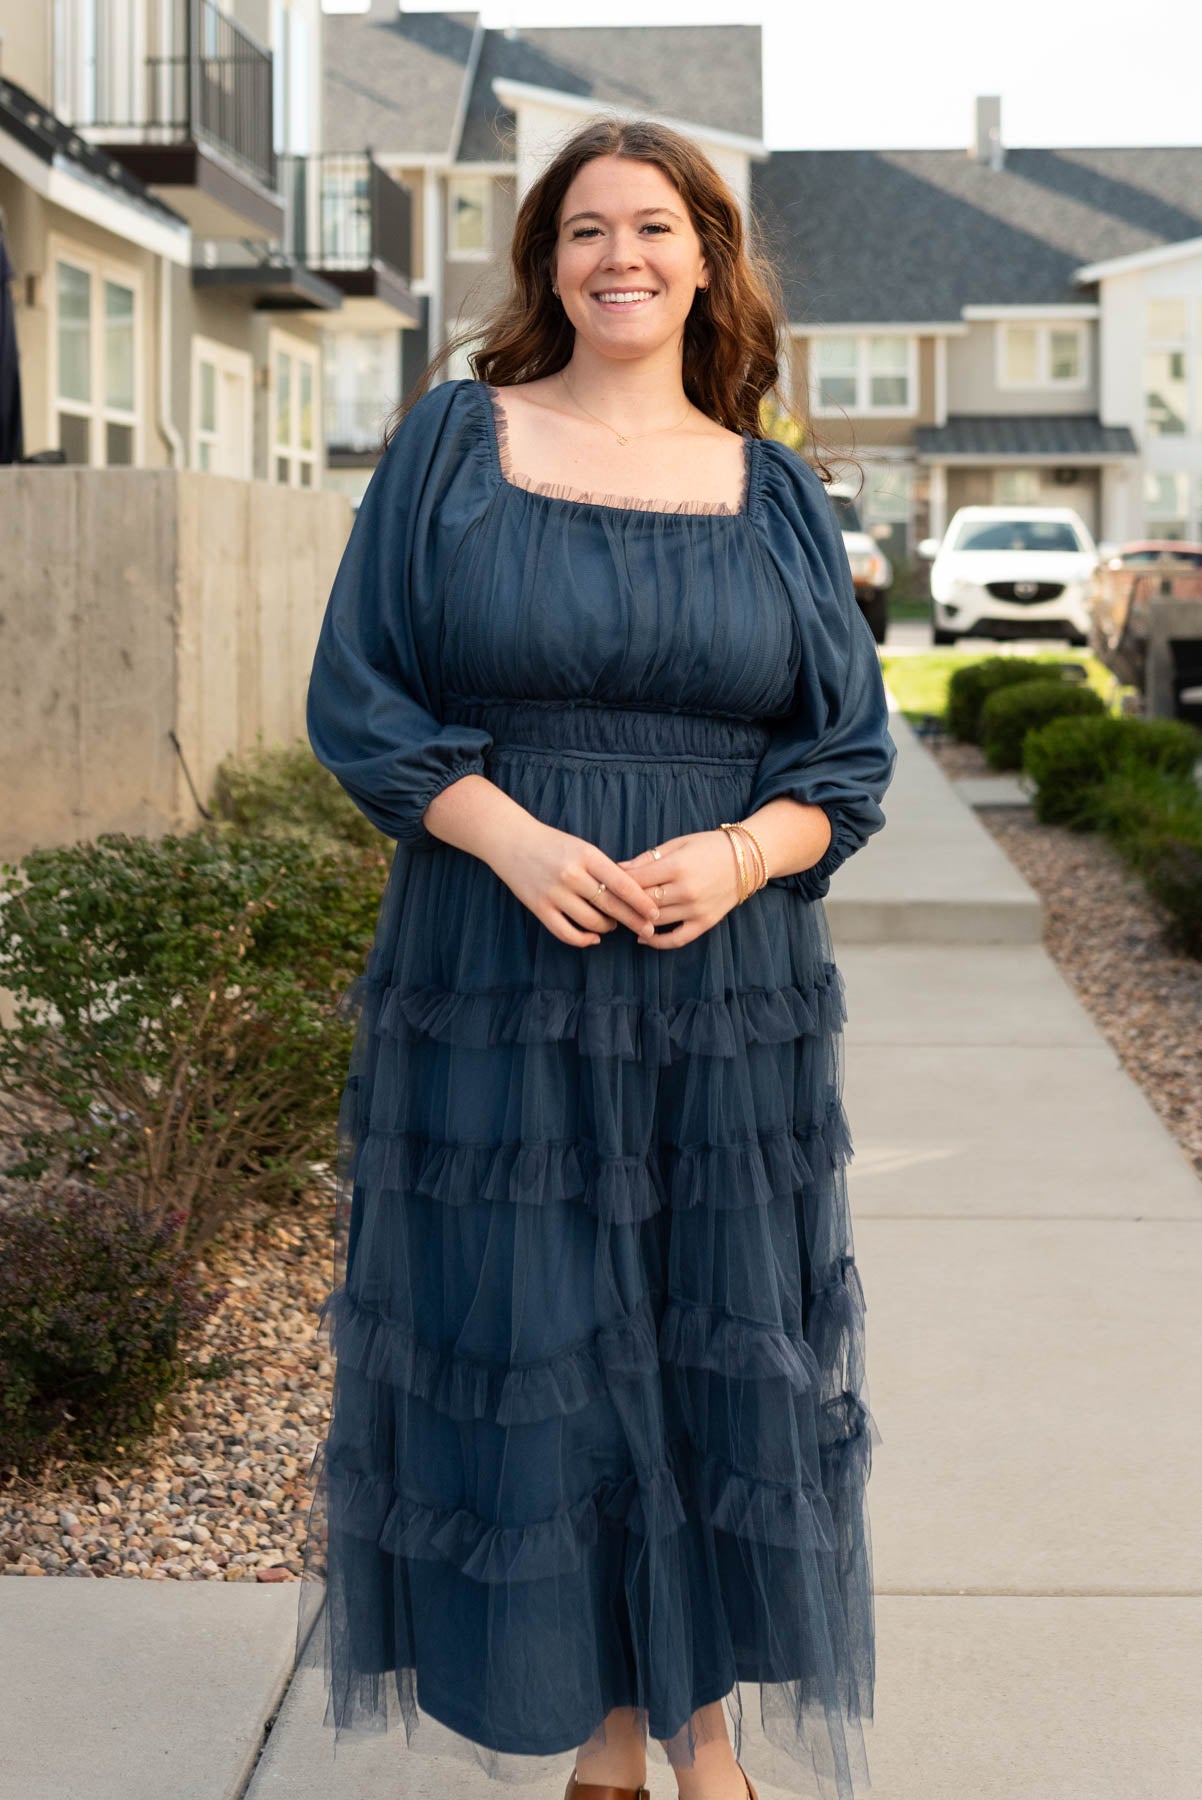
{"x":1027,"y":1233}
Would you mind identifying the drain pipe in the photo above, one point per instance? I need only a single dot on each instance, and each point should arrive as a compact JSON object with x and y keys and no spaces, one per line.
{"x":167,"y":427}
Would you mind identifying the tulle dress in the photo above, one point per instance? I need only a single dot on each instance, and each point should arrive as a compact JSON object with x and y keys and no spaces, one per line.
{"x":600,"y":1433}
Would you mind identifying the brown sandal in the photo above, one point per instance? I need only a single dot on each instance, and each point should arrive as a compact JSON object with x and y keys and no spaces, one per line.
{"x":599,"y":1790}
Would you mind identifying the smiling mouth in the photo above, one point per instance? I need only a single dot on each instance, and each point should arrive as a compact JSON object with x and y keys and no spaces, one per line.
{"x":639,"y":298}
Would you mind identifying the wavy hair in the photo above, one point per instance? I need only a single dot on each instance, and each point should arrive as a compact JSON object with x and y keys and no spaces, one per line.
{"x":736,"y":330}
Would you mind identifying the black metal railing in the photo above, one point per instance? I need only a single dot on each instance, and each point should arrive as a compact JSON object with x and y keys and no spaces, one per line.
{"x":345,"y":212}
{"x":354,"y":421}
{"x":207,"y":80}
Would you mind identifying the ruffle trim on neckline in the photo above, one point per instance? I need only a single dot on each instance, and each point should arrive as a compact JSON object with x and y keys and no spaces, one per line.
{"x":616,"y":1026}
{"x":617,"y":1189}
{"x":496,"y":420}
{"x":629,"y":1348}
{"x":372,"y":1507}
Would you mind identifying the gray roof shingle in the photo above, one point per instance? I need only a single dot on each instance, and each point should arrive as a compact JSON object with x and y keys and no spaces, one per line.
{"x":992,"y":435}
{"x":878,"y":235}
{"x":710,"y":74}
{"x":394,"y":81}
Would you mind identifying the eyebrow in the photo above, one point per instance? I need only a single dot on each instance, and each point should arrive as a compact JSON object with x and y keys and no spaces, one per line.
{"x":638,"y":215}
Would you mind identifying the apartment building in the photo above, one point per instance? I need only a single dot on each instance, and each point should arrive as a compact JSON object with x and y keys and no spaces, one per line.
{"x":182,"y":241}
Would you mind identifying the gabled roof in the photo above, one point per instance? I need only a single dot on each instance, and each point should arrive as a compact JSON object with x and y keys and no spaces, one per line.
{"x":705,"y":74}
{"x":878,"y":235}
{"x":396,"y":82}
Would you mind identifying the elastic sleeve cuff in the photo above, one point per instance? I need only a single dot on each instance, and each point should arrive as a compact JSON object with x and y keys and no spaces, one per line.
{"x":416,"y":836}
{"x":814,"y":883}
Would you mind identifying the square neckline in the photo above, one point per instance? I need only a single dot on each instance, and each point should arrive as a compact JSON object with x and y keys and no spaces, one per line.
{"x":497,"y":422}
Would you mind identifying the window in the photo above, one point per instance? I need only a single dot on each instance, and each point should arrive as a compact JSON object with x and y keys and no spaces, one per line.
{"x":94,"y":386}
{"x":1042,"y":354}
{"x":469,"y":225}
{"x":362,"y":373}
{"x":1016,"y":487}
{"x":294,"y":392}
{"x":871,"y":373}
{"x":1016,"y":534}
{"x":1166,"y":503}
{"x":290,"y":71}
{"x":1166,"y":364}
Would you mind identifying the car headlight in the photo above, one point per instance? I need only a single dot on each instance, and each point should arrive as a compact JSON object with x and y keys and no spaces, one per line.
{"x":868,"y":566}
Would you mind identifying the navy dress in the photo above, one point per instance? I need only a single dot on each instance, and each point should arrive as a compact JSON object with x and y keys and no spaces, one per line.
{"x":600,"y":1435}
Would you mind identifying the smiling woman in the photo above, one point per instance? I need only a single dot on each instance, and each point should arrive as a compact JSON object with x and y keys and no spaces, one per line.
{"x":596,"y":1464}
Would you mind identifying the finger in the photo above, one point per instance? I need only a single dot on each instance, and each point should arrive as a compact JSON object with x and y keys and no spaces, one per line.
{"x":565,"y":931}
{"x":673,"y":940}
{"x":582,"y":912}
{"x":624,"y":887}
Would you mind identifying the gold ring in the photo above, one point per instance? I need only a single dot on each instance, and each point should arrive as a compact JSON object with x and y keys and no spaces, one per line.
{"x":656,"y":853}
{"x":600,"y":890}
{"x":658,"y":892}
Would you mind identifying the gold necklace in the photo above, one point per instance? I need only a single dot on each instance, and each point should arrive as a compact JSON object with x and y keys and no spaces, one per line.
{"x":635,"y":435}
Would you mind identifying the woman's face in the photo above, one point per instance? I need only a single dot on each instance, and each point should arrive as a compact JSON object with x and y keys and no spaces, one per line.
{"x":624,"y":228}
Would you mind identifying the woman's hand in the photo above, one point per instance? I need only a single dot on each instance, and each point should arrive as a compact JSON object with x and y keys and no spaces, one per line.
{"x":695,"y":880}
{"x":557,"y":875}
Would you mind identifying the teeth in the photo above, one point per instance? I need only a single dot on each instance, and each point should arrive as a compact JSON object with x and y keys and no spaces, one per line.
{"x":625,"y":299}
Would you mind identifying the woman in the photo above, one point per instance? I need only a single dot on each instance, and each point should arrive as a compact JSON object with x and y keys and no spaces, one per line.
{"x":593,"y":659}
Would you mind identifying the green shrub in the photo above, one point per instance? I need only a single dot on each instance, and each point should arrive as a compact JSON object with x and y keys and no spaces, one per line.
{"x":1154,"y":818}
{"x":97,"y":1309}
{"x":1070,"y":758}
{"x":286,"y":792}
{"x":175,"y":1004}
{"x":1010,"y":712}
{"x":969,"y":688}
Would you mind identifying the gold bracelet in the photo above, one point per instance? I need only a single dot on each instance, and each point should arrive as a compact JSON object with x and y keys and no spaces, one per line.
{"x":759,"y":850}
{"x":731,"y":831}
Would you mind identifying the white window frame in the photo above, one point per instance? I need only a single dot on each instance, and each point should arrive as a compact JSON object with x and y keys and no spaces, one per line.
{"x":225,"y":360}
{"x":861,"y":407}
{"x":300,"y":351}
{"x":455,"y":252}
{"x":97,"y":411}
{"x":1043,"y":329}
{"x":1181,"y":478}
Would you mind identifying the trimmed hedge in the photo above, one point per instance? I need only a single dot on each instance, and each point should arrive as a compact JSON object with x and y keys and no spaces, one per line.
{"x":1070,"y":758}
{"x":969,"y":688}
{"x":1009,"y":713}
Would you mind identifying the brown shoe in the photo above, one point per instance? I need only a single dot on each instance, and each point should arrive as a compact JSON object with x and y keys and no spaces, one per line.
{"x":599,"y":1790}
{"x":750,"y":1785}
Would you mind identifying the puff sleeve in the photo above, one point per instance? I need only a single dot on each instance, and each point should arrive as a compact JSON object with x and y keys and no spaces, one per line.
{"x":372,"y":708}
{"x":833,"y":748}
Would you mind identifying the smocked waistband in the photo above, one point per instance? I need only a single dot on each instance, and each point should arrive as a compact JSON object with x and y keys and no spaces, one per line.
{"x":596,"y":728}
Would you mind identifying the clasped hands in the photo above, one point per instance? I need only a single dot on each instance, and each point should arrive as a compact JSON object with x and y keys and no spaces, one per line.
{"x":581,"y":894}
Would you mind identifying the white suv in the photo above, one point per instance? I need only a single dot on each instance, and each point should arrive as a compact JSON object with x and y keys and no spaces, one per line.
{"x":1011,"y":571}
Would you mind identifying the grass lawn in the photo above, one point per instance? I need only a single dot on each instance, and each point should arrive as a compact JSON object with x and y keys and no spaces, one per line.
{"x":920,"y":681}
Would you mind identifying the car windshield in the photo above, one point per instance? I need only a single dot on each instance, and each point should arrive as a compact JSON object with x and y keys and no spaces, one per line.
{"x":1137,"y":558}
{"x":845,"y":512}
{"x":1017,"y":534}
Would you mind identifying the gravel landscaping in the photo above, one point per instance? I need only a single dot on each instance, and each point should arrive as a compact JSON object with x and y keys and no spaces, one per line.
{"x":224,"y":1495}
{"x":1106,"y":935}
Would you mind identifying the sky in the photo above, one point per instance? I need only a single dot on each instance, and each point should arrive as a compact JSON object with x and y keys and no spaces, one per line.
{"x":883,"y":76}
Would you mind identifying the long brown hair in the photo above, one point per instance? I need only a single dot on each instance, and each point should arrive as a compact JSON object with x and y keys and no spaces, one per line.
{"x":735,"y":329}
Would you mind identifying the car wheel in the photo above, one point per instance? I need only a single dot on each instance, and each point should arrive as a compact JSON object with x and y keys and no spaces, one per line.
{"x":939,"y":633}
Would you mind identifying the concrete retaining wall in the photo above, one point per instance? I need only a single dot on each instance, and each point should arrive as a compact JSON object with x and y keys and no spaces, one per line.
{"x":137,"y":602}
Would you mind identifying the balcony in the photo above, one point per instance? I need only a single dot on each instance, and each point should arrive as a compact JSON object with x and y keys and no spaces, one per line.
{"x":183,"y":99}
{"x":344,"y":247}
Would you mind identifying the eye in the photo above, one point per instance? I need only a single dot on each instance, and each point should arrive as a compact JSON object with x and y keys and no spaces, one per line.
{"x":651,"y":225}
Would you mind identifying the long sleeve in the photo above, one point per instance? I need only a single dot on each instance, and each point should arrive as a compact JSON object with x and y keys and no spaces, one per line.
{"x":833,"y":748}
{"x":372,"y":708}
